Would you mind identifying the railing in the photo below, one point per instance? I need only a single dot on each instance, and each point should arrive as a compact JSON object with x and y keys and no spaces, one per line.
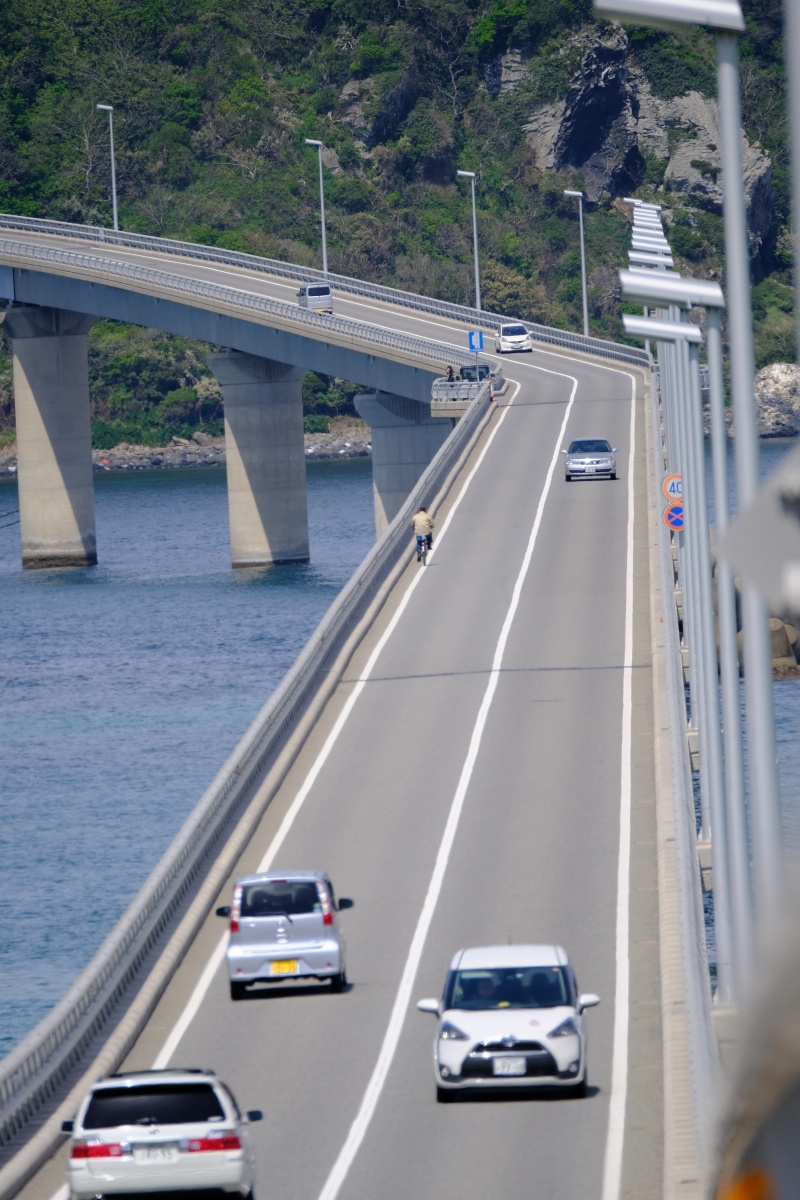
{"x":35,"y":1074}
{"x":375,"y":291}
{"x":238,"y":298}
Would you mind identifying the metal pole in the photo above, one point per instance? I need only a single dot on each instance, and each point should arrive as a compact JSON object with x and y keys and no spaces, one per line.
{"x":583,"y":271}
{"x":475,"y":249}
{"x":322,"y":212}
{"x":765,"y":810}
{"x":710,"y":732}
{"x":109,"y":108}
{"x":738,"y":850}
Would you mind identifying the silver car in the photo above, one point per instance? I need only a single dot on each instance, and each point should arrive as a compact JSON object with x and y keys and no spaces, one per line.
{"x":283,"y":926}
{"x":512,"y":337}
{"x":590,"y":458}
{"x":160,"y":1131}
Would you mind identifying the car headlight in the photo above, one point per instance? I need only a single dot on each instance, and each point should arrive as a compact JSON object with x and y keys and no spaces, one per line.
{"x":568,"y":1028}
{"x":451,"y":1033}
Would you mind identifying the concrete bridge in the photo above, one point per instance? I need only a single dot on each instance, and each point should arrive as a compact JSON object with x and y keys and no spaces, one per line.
{"x":481,"y":751}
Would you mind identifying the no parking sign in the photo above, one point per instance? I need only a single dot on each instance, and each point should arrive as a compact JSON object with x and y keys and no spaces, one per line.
{"x":673,"y":516}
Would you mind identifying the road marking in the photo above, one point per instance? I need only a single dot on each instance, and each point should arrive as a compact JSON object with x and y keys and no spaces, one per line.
{"x":615,"y":1138}
{"x":380,"y":1072}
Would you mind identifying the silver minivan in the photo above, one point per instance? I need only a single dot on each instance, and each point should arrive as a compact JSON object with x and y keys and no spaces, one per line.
{"x":283,"y":926}
{"x":317,"y":296}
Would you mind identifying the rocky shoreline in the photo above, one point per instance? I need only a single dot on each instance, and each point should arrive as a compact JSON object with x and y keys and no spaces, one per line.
{"x":348,"y":438}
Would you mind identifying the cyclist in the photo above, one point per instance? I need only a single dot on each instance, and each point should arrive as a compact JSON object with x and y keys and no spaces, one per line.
{"x":422,"y":525}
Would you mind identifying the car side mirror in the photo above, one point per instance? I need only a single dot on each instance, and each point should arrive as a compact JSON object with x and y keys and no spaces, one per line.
{"x":224,"y":911}
{"x":587,"y":1000}
{"x":67,"y":1126}
{"x":563,"y":452}
{"x":613,"y":449}
{"x":344,"y":903}
{"x":254,"y":1114}
{"x":430,"y":1006}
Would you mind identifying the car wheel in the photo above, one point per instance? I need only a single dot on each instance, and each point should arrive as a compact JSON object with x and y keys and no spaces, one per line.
{"x":237,"y":991}
{"x":580,"y":1089}
{"x":568,"y":479}
{"x":339,"y":982}
{"x":444,"y":1095}
{"x":613,"y":475}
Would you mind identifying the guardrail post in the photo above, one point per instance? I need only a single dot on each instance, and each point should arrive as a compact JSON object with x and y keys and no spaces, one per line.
{"x":267,"y":503}
{"x":54,"y":441}
{"x":405,"y":439}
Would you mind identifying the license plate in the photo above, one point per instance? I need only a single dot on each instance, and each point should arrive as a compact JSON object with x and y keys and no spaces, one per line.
{"x":150,"y":1154}
{"x":590,"y":470}
{"x":283,"y":966}
{"x":509,"y":1066}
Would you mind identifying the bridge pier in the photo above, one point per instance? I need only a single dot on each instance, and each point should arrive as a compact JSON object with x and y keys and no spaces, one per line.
{"x":54,"y":440}
{"x":264,"y":446}
{"x":405,"y":439}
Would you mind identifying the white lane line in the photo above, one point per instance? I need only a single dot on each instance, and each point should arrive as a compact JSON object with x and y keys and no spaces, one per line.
{"x":374,"y":1088}
{"x":615,"y":1139}
{"x":218,"y":953}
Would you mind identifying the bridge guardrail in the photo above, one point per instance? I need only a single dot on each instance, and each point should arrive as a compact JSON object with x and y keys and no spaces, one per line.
{"x":375,"y":334}
{"x":375,"y":291}
{"x":35,"y":1074}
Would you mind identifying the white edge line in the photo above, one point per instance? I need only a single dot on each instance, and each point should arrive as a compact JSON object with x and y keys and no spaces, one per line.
{"x":394,"y":1029}
{"x":617,"y":1105}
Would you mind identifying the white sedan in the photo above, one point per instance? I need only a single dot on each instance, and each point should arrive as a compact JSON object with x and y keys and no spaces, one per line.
{"x":510,"y":1016}
{"x":512,"y":337}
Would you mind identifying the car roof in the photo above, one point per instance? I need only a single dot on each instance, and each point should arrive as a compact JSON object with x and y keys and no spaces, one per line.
{"x":168,"y":1076}
{"x":282,"y":876}
{"x":547,"y":955}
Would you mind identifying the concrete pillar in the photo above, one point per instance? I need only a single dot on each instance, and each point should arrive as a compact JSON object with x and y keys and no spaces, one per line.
{"x":265,"y":450}
{"x":54,"y":437}
{"x":405,"y":439}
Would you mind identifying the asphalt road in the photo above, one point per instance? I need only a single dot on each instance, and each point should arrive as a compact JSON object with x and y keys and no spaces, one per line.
{"x":492,"y":765}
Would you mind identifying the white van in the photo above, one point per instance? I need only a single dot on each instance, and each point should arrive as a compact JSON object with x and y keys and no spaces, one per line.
{"x":317,"y":296}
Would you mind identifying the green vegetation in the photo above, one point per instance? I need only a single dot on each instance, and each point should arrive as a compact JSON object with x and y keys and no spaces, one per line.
{"x":212,"y":104}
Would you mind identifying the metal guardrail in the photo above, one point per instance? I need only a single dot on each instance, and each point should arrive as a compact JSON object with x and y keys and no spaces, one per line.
{"x":459,"y":312}
{"x":702,"y":1045}
{"x":704,"y":379}
{"x":444,"y":389}
{"x":37,"y":1071}
{"x":239,"y":298}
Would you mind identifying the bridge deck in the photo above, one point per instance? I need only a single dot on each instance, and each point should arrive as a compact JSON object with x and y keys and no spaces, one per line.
{"x":535,"y":854}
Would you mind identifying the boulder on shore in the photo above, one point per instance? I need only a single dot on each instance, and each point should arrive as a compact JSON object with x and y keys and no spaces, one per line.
{"x":778,"y":400}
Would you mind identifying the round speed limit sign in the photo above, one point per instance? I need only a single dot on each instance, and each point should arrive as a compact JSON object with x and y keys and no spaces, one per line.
{"x":672,"y":487}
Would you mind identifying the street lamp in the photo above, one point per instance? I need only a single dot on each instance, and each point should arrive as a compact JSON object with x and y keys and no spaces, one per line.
{"x":470,"y":175}
{"x":314,"y":142}
{"x":109,"y":108}
{"x":725,"y":18}
{"x":579,"y":197}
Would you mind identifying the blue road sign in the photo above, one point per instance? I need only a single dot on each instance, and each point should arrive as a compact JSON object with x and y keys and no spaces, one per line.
{"x":673,"y":515}
{"x":476,"y":340}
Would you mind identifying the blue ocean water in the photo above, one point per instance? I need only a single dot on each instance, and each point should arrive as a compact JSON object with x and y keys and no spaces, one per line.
{"x":124,"y":688}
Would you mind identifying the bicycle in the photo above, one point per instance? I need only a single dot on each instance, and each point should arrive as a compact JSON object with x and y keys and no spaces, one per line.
{"x":424,"y":543}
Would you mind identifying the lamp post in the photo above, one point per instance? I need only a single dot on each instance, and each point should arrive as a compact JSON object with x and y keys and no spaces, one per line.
{"x":725,"y":18}
{"x":318,"y":144}
{"x":109,"y":108}
{"x":579,"y":198}
{"x":470,"y":175}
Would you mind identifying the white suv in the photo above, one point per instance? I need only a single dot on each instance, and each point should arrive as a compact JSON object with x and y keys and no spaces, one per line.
{"x":160,"y":1131}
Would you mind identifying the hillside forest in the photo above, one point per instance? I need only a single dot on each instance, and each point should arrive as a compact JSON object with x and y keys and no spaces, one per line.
{"x":212,"y":104}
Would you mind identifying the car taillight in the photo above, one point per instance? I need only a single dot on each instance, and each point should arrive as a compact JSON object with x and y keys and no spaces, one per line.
{"x":234,"y":924}
{"x":327,"y":918}
{"x":228,"y":1141}
{"x":97,"y":1150}
{"x":236,"y":908}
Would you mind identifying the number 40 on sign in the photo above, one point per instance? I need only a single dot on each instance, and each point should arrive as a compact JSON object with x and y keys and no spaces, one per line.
{"x":672,"y":487}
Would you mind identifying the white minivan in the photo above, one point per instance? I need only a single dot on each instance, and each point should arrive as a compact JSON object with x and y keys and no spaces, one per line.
{"x":317,"y":296}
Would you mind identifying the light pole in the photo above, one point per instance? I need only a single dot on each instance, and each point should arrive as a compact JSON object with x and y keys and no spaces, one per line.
{"x":725,"y":18}
{"x":314,"y":142}
{"x":109,"y":108}
{"x":470,"y":175}
{"x":579,"y":197}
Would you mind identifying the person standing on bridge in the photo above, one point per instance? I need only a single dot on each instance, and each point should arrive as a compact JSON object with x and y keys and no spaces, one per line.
{"x":422,"y":525}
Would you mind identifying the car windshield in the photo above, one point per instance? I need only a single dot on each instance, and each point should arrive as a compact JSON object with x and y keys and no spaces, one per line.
{"x":321,"y":290}
{"x":513,"y":331}
{"x":507,"y":987}
{"x":151,"y":1104}
{"x":291,"y":896}
{"x":469,"y":372}
{"x":590,"y":446}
